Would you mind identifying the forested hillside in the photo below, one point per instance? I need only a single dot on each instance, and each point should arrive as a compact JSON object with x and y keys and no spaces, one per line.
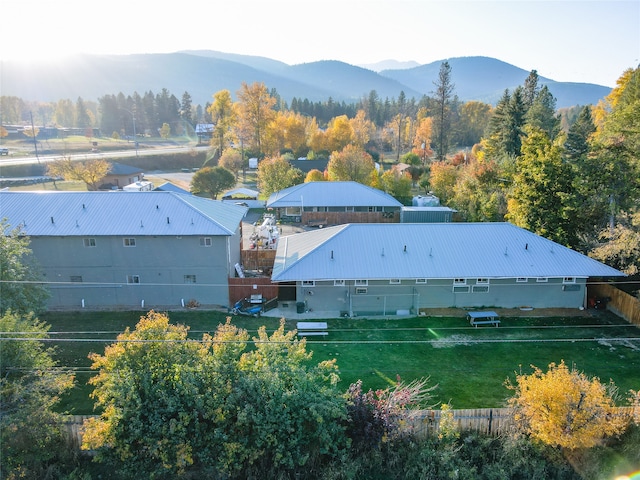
{"x":201,"y":73}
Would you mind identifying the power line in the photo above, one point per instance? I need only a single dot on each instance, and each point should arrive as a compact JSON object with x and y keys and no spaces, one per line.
{"x":316,"y":286}
{"x":464,"y":341}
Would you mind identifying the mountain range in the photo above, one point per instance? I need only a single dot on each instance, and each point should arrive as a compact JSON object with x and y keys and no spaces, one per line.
{"x":202,"y":73}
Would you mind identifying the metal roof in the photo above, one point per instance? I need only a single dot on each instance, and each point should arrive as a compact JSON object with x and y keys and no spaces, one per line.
{"x":122,"y":169}
{"x":170,"y":187}
{"x":118,"y":213}
{"x":331,"y":194}
{"x":247,"y":192}
{"x":427,"y":250}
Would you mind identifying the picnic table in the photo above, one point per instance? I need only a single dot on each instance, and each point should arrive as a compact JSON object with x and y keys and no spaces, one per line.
{"x":312,"y":328}
{"x":483,"y":318}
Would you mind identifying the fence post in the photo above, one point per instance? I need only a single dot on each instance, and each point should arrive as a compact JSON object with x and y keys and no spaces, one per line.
{"x":490,"y":420}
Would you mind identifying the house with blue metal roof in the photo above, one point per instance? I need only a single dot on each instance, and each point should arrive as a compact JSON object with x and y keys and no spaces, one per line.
{"x":366,"y":269}
{"x":334,"y":203}
{"x":106,"y":250}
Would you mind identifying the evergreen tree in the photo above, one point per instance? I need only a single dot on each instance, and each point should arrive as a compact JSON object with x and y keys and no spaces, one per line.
{"x":83,"y":120}
{"x":149,"y":112}
{"x":577,"y":144}
{"x":542,"y":113}
{"x":542,"y":199}
{"x":109,"y":116}
{"x":531,"y":89}
{"x":505,"y":127}
{"x":186,"y":107}
{"x":442,"y":122}
{"x":496,"y":129}
{"x":516,"y":112}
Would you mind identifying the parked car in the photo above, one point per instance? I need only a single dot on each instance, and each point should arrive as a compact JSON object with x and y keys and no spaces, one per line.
{"x":4,"y":151}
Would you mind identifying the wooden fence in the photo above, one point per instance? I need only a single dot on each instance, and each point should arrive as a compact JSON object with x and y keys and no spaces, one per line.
{"x":259,"y":259}
{"x":340,"y":218}
{"x":623,"y":304}
{"x":487,"y":421}
{"x":240,"y":288}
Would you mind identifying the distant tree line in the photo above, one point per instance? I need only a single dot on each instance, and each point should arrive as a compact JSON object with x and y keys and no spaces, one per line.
{"x":117,"y":114}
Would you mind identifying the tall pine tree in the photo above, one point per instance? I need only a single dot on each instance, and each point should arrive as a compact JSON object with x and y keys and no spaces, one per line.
{"x":442,"y":118}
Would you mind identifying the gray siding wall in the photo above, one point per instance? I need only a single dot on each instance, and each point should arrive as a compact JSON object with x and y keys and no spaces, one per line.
{"x":165,"y":267}
{"x":381,"y":297}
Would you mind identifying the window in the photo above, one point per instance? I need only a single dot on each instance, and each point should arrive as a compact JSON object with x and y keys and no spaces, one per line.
{"x":480,"y":289}
{"x":395,"y":281}
{"x":205,"y":242}
{"x":361,"y":291}
{"x":133,"y":279}
{"x":89,"y":242}
{"x":75,"y":279}
{"x":482,"y":281}
{"x":129,"y":242}
{"x":521,"y":280}
{"x":421,"y":280}
{"x":571,"y":288}
{"x":542,"y":279}
{"x":292,"y":211}
{"x":338,"y":283}
{"x":189,"y":279}
{"x":461,"y":289}
{"x":308,"y":283}
{"x":361,"y":283}
{"x":459,"y":281}
{"x":349,"y":209}
{"x":569,"y":280}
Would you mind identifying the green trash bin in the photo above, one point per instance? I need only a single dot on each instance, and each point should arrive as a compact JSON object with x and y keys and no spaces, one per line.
{"x":300,"y":307}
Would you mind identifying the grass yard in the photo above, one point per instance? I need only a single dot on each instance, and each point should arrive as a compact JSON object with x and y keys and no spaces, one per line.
{"x":468,"y":364}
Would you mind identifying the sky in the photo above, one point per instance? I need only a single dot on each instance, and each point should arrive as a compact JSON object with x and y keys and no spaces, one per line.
{"x":591,"y":41}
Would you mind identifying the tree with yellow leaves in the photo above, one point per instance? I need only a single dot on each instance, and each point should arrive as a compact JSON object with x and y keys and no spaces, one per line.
{"x":339,"y":133}
{"x":224,"y":116}
{"x":314,"y":175}
{"x":363,"y":129}
{"x":255,"y":112}
{"x":422,"y":139}
{"x":564,"y":407}
{"x":351,"y":164}
{"x":90,"y":172}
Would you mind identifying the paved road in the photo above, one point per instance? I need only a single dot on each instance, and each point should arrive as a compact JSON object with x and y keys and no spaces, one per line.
{"x":9,"y":160}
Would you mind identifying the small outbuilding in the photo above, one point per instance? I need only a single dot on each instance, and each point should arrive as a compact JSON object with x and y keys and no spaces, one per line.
{"x":334,"y":203}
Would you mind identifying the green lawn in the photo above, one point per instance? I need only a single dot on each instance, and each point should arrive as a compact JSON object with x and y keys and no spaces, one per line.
{"x":468,"y":364}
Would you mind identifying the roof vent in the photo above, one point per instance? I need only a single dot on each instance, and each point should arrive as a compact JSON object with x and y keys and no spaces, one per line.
{"x":505,"y":251}
{"x":52,"y":220}
{"x":405,"y":249}
{"x":157,"y":207}
{"x":83,"y":207}
{"x":168,"y":220}
{"x":331,"y":254}
{"x":141,"y":225}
